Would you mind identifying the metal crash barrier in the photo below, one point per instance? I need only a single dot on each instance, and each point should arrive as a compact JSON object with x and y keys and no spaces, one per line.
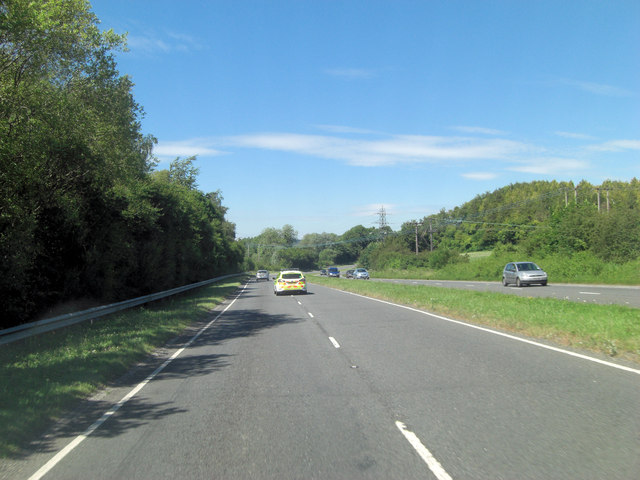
{"x":26,"y":330}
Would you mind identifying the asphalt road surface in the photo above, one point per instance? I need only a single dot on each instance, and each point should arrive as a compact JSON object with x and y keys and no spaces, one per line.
{"x":601,"y":294}
{"x":335,"y":385}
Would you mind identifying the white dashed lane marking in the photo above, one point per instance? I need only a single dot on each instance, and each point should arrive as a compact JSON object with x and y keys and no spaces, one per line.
{"x":425,"y":454}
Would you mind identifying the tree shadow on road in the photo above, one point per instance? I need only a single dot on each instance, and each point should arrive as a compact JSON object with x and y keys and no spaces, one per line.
{"x":243,"y":323}
{"x":138,"y":411}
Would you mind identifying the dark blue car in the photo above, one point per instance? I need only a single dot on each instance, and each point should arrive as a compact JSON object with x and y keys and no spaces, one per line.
{"x":333,"y":272}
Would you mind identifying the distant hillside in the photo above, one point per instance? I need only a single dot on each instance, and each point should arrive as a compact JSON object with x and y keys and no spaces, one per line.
{"x":520,"y":203}
{"x":542,"y":214}
{"x":543,"y":217}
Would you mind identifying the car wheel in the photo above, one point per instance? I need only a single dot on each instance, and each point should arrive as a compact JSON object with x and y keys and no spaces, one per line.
{"x":518,"y":284}
{"x":544,"y":284}
{"x":504,"y":281}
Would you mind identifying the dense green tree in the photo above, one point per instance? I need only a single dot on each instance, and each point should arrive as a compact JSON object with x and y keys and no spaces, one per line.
{"x":81,"y":215}
{"x":319,"y":241}
{"x":408,"y":232}
{"x":328,"y":257}
{"x":264,"y":250}
{"x":545,"y":215}
{"x":537,"y":218}
{"x":352,"y":242}
{"x":301,"y":258}
{"x":183,"y":172}
{"x":289,"y":235}
{"x":63,"y":112}
{"x":324,"y":247}
{"x":285,"y":236}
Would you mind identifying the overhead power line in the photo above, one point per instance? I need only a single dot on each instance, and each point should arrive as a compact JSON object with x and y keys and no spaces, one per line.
{"x":516,"y":225}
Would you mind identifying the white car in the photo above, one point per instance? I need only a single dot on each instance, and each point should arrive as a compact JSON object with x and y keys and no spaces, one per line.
{"x":262,"y":275}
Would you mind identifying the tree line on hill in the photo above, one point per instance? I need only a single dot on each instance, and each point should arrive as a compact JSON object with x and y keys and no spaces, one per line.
{"x":536,"y":218}
{"x":84,"y":212}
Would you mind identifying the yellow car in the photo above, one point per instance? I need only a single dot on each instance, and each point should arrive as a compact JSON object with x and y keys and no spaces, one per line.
{"x":290,"y":281}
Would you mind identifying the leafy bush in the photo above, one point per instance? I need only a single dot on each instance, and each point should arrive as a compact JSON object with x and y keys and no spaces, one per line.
{"x":297,"y":258}
{"x":618,"y":235}
{"x":441,"y":257}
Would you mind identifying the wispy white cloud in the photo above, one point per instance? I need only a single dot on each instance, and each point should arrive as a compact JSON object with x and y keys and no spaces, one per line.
{"x":147,"y":44}
{"x":597,"y":88}
{"x":151,"y":43}
{"x":576,"y":136}
{"x":550,"y":166}
{"x":617,"y":146}
{"x":385,"y":151}
{"x":184,"y":41}
{"x":345,"y":129}
{"x":365,"y":148}
{"x":186,"y":148}
{"x":350,"y":73}
{"x":479,"y":175}
{"x":479,"y":130}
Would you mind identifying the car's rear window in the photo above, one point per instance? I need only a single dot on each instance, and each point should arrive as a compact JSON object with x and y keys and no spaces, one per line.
{"x":291,"y":276}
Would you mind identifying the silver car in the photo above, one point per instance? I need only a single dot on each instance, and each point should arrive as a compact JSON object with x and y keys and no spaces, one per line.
{"x":262,"y":275}
{"x":361,"y":273}
{"x":523,"y":273}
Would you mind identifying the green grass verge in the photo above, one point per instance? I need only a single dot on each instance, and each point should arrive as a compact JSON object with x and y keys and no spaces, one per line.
{"x":42,"y":376}
{"x":577,"y":268}
{"x":610,"y":329}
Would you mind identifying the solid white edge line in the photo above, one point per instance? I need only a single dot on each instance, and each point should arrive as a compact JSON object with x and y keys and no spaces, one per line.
{"x":506,"y":335}
{"x":334,"y":342}
{"x":76,"y":441}
{"x":425,"y":454}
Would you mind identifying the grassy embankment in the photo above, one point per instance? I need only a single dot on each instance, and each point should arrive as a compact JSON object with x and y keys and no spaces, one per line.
{"x":42,"y":376}
{"x":608,"y":329}
{"x":484,"y":266}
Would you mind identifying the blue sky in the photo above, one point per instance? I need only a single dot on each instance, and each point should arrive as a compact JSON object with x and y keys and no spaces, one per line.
{"x":318,"y":113}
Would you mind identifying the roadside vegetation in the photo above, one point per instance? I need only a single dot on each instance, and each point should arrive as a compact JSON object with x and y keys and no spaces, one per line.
{"x":45,"y":375}
{"x":574,"y":232}
{"x":581,"y":267}
{"x":85,"y":215}
{"x":610,"y":330}
{"x":87,"y":218}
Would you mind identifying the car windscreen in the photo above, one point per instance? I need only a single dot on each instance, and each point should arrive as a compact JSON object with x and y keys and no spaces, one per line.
{"x":527,"y":266}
